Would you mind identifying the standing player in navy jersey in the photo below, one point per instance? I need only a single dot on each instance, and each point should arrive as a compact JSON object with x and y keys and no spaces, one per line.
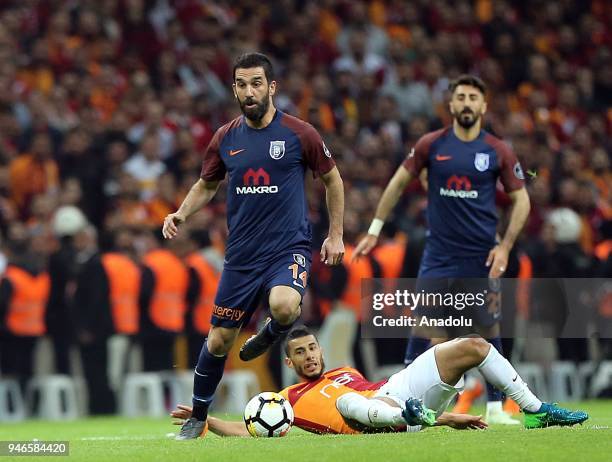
{"x":265,"y":154}
{"x":463,"y":165}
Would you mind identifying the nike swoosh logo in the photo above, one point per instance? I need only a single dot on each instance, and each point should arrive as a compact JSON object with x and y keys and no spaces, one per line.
{"x":234,"y":152}
{"x":514,"y":379}
{"x":442,"y":158}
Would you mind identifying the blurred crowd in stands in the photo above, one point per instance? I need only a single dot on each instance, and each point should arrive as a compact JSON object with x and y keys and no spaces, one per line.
{"x":107,"y":106}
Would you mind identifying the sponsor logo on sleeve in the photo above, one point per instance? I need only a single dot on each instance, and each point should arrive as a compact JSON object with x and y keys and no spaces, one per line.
{"x":518,"y":171}
{"x":325,"y":150}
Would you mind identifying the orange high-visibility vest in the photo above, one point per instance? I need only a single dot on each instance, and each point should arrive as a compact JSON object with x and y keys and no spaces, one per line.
{"x":209,"y":280}
{"x":26,"y":311}
{"x":357,"y":270}
{"x":124,"y":286}
{"x":390,"y":256}
{"x":168,"y":305}
{"x":523,"y":288}
{"x":603,"y":249}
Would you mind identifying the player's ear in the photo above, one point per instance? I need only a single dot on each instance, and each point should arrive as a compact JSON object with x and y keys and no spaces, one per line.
{"x":484,"y":108}
{"x":234,"y":90}
{"x":272,"y":87}
{"x":288,"y":363}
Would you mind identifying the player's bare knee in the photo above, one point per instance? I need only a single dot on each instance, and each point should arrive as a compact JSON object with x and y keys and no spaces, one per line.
{"x":285,"y":312}
{"x":219,"y":344}
{"x":476,"y":347}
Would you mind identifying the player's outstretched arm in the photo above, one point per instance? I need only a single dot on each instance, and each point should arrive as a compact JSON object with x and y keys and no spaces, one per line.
{"x":200,"y":194}
{"x":332,"y":250}
{"x":217,"y":426}
{"x":461,"y":421}
{"x":387,"y":202}
{"x":498,"y":256}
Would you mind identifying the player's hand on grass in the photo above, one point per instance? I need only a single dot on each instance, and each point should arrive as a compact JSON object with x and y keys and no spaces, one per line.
{"x":171,"y":224}
{"x":181,"y":412}
{"x":332,"y":251}
{"x":466,"y":422}
{"x":364,"y":247}
{"x":498,"y":261}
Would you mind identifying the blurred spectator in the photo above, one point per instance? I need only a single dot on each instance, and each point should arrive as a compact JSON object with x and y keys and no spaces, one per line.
{"x":163,"y":302}
{"x":63,"y":269}
{"x":145,"y":166}
{"x":33,"y":173}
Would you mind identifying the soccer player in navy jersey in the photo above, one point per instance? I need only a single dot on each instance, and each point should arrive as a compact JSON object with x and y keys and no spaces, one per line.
{"x":265,"y":154}
{"x":463,"y":165}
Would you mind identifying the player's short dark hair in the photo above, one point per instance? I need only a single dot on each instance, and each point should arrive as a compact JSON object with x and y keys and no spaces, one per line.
{"x":251,"y":60}
{"x":468,"y":79}
{"x":297,"y":332}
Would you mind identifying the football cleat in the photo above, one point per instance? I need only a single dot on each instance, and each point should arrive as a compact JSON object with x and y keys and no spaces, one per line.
{"x":551,"y":414}
{"x":192,"y":429}
{"x":258,"y":344}
{"x":417,"y":414}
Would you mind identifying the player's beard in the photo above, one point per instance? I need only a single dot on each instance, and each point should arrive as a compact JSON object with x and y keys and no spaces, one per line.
{"x":467,"y":118}
{"x":313,"y":376}
{"x":255,"y":113}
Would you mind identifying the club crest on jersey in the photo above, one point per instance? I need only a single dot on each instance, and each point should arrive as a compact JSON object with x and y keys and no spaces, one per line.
{"x":277,"y":149}
{"x":299,"y":259}
{"x":481,"y":161}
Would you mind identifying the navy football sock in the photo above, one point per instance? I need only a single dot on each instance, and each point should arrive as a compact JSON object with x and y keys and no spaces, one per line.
{"x":493,"y":394}
{"x":208,"y":373}
{"x":416,"y":346}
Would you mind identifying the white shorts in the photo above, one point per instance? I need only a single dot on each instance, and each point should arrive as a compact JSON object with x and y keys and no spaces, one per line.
{"x":421,"y":379}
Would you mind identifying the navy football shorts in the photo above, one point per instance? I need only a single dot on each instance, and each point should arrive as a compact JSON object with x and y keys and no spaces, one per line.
{"x":464,"y":280}
{"x":241,"y":291}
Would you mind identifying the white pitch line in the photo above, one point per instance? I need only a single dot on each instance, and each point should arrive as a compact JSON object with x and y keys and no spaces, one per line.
{"x":123,"y":438}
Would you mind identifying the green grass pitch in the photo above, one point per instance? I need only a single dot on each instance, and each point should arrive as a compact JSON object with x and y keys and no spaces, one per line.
{"x":117,"y":439}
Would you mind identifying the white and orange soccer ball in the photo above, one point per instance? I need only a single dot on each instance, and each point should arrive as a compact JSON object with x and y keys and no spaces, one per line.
{"x":268,"y":414}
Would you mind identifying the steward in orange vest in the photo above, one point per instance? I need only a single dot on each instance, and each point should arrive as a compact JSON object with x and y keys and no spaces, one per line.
{"x":25,"y":297}
{"x":24,"y":293}
{"x":163,"y":304}
{"x":204,"y":275}
{"x":105,"y":303}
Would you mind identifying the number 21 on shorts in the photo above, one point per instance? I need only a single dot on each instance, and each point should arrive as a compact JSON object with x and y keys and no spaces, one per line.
{"x":299,"y":279}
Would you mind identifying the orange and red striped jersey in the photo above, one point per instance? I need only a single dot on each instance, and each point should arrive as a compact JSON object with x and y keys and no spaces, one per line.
{"x":314,"y":403}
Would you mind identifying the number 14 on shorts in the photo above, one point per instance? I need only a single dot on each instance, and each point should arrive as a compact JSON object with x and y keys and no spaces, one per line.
{"x":299,"y":279}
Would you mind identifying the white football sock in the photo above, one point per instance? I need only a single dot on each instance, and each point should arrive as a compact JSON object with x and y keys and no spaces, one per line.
{"x":494,"y":406}
{"x":499,"y":372}
{"x":371,"y":412}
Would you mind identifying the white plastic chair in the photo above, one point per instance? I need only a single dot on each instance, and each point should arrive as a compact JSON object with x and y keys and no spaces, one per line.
{"x":143,"y":395}
{"x":12,"y":405}
{"x":58,"y":396}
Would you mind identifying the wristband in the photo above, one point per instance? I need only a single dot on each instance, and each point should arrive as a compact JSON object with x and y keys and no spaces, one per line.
{"x":376,"y":226}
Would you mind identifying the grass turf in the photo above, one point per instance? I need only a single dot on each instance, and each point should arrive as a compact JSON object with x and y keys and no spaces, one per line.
{"x":118,"y":439}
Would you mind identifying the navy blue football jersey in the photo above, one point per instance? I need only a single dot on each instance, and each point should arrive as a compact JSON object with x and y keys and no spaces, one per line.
{"x":462,"y":182}
{"x":266,"y":203}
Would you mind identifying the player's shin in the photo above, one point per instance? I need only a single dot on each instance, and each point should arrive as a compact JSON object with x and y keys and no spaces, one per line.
{"x":369,"y":412}
{"x":493,"y":394}
{"x":208,"y":373}
{"x":498,"y":371}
